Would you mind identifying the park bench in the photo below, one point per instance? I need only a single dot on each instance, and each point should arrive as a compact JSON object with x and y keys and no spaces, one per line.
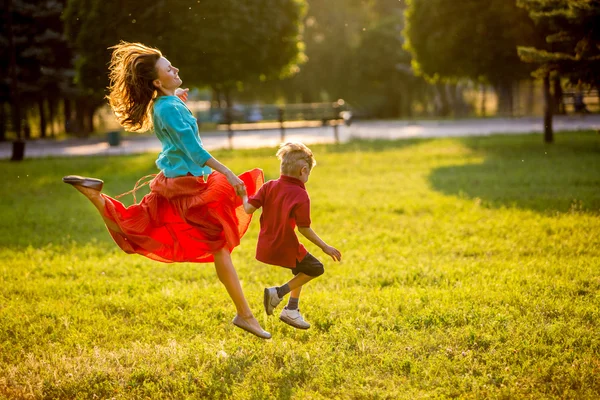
{"x":578,"y":101}
{"x":282,"y":117}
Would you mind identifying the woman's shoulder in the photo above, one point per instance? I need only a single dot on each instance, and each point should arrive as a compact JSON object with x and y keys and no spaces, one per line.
{"x":161,"y":104}
{"x":166,"y":105}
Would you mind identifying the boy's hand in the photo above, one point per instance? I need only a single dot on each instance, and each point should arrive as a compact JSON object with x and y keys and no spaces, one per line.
{"x":333,"y":253}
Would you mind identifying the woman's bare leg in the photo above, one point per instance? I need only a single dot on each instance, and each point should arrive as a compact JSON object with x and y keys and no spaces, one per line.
{"x":229,"y":278}
{"x":98,"y":202}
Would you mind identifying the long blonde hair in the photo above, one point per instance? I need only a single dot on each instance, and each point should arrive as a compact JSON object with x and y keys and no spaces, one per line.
{"x":132,"y":71}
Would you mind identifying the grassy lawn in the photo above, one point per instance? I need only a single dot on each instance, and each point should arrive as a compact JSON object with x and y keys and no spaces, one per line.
{"x":471,"y":269}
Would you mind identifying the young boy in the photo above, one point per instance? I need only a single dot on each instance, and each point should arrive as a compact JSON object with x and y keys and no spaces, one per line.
{"x":286,"y":204}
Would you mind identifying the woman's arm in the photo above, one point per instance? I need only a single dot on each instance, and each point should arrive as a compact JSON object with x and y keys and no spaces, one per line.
{"x":185,"y":136}
{"x":232,"y":178}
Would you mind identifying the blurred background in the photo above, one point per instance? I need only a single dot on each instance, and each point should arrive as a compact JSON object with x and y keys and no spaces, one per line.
{"x":250,"y":61}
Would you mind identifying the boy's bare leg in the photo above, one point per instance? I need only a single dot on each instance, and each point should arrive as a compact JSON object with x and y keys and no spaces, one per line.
{"x":295,"y":285}
{"x":229,"y":278}
{"x":296,"y":292}
{"x":297,"y":281}
{"x":98,"y":201}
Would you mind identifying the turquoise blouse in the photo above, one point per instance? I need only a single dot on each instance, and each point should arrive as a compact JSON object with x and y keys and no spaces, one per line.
{"x":176,"y":128}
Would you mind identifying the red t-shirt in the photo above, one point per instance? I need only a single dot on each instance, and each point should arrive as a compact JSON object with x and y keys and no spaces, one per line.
{"x":285,"y":204}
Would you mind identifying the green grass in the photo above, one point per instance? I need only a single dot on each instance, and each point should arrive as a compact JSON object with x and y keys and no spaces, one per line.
{"x":471,"y":269}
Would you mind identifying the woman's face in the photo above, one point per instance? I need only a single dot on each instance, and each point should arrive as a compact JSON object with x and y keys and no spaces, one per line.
{"x":168,"y":77}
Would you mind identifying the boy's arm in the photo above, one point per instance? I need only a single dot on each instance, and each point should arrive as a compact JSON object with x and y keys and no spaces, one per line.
{"x":308,"y":233}
{"x":248,"y":208}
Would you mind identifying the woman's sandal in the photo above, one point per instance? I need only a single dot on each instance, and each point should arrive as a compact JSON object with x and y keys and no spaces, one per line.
{"x":242,"y":323}
{"x":83,"y":181}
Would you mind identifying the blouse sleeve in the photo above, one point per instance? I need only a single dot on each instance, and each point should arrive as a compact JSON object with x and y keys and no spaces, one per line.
{"x":184,"y":136}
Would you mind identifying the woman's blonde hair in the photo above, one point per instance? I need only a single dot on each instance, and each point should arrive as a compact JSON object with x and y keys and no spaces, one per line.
{"x":292,"y":156}
{"x":132,"y":71}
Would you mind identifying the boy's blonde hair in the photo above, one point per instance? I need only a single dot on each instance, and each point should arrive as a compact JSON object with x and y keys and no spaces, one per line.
{"x":293,"y":156}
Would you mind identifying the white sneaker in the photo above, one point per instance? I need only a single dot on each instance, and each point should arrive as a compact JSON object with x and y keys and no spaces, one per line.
{"x":293,"y":318}
{"x":271,"y":300}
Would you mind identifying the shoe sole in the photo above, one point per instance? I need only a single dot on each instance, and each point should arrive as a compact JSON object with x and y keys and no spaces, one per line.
{"x":262,"y":334}
{"x":91,"y":183}
{"x":266,"y":302}
{"x":293,"y":325}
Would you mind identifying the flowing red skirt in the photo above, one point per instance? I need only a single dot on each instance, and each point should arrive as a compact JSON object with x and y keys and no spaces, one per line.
{"x":184,"y":219}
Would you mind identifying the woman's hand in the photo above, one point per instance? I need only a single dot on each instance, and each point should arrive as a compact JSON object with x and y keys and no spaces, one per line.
{"x":182,"y":94}
{"x":237,"y":183}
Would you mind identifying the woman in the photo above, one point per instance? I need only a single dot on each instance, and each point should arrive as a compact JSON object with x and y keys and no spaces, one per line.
{"x":191,"y":214}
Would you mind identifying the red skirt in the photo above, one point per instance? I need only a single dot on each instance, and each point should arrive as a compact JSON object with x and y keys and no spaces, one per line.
{"x":184,"y":219}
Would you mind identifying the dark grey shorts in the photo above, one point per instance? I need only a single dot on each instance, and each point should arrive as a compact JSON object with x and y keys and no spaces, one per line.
{"x":309,"y":265}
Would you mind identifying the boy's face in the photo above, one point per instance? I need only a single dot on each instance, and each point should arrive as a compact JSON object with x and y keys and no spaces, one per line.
{"x":304,"y":173}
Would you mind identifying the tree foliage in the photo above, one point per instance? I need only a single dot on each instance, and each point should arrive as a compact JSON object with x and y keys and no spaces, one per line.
{"x":383,"y":63}
{"x":218,"y":43}
{"x":354,"y":51}
{"x":42,"y":57}
{"x":41,"y":51}
{"x":332,"y":31}
{"x":474,"y":39}
{"x":573,"y":38}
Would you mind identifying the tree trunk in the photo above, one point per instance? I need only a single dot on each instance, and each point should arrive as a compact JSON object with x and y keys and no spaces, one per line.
{"x":559,"y":107}
{"x":89,"y":116}
{"x":441,"y":100}
{"x":217,"y":99}
{"x":530,"y":103}
{"x":393,"y":100}
{"x":42,"y":117}
{"x":25,"y":124}
{"x":450,"y":98}
{"x":548,"y":107}
{"x":461,"y":108}
{"x":12,"y":73}
{"x":229,"y":117}
{"x":52,"y":115}
{"x":505,"y":102}
{"x":68,"y":115}
{"x":407,"y":101}
{"x":2,"y":122}
{"x":516,"y":99}
{"x":79,"y":128}
{"x":483,"y":99}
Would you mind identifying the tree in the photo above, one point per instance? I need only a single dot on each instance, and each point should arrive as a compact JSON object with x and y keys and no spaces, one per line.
{"x":572,"y":45}
{"x":54,"y":60}
{"x":474,"y":39}
{"x":332,"y":32}
{"x":217,"y":43}
{"x":384,"y":65}
{"x":36,"y":60}
{"x":354,"y":51}
{"x":92,"y":27}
